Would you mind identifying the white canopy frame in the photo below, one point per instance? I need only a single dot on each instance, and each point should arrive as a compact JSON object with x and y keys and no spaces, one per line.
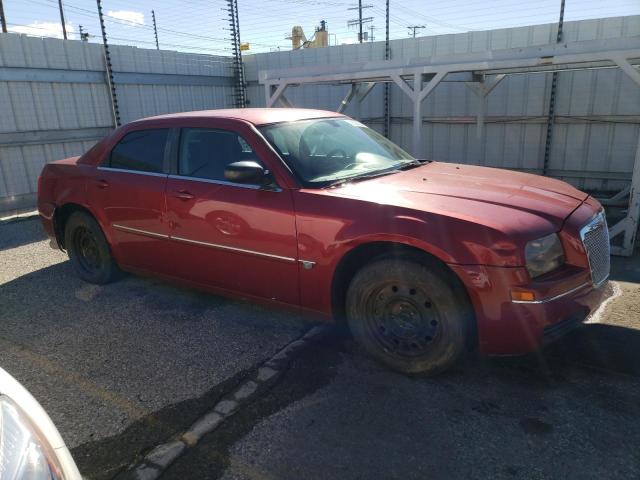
{"x":481,"y":72}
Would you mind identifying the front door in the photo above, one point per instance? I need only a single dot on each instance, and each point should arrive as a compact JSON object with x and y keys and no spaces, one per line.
{"x":127,"y":190}
{"x":236,"y":237}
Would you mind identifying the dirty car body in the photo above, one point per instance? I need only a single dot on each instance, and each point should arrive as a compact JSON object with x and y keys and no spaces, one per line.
{"x":297,"y":238}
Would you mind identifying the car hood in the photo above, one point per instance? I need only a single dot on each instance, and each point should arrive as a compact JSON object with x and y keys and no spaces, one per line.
{"x":486,"y":195}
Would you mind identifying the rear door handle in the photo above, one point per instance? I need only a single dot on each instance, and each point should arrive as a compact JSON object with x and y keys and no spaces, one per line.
{"x":183,"y":195}
{"x":102,"y":183}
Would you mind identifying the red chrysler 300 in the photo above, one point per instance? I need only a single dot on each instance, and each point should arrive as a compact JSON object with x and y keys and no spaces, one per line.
{"x":311,"y":209}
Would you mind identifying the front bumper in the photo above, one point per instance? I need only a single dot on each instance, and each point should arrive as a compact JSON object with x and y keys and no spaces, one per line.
{"x":506,"y":327}
{"x":561,"y":299}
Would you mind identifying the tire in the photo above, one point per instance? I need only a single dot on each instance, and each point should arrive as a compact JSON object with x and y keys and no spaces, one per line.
{"x":411,"y":317}
{"x":88,"y":250}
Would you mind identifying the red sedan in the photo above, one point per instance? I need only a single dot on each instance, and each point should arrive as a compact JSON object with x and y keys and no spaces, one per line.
{"x":313,"y":210}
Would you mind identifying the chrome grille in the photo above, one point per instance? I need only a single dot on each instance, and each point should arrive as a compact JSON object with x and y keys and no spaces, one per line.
{"x":595,"y":238}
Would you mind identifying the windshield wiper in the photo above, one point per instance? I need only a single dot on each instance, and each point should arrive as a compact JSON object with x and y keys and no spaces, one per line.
{"x":364,"y":176}
{"x":412,"y":164}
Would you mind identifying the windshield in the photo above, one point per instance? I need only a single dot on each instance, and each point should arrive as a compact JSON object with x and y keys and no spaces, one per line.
{"x":324,"y":151}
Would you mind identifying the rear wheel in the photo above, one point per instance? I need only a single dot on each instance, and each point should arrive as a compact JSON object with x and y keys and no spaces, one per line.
{"x":88,"y":249}
{"x":409,"y":316}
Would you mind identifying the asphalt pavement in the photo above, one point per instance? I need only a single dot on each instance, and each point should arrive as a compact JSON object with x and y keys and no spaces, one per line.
{"x":127,"y":366}
{"x":121,"y":367}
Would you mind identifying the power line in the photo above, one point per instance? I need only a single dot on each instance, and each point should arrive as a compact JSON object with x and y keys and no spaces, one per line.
{"x":414,"y":13}
{"x":111,"y":19}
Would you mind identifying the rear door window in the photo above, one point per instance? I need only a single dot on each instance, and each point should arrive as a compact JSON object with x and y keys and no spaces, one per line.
{"x":142,"y":151}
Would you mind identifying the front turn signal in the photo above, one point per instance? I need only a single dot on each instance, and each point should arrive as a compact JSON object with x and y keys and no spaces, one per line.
{"x":522,"y":296}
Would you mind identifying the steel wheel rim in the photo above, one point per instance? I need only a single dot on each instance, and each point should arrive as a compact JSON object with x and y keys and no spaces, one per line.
{"x":403,"y":319}
{"x":86,"y":248}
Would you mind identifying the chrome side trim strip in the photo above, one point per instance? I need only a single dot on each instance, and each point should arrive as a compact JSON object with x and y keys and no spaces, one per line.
{"x":207,"y":244}
{"x":215,"y":182}
{"x":556,"y":297}
{"x":137,"y":172}
{"x":225,"y":183}
{"x":233,"y":249}
{"x":138,"y":231}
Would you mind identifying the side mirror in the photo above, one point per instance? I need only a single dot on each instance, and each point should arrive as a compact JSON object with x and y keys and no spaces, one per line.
{"x":246,"y":171}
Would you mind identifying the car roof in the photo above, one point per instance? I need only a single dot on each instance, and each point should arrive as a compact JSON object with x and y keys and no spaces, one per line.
{"x":257,"y":116}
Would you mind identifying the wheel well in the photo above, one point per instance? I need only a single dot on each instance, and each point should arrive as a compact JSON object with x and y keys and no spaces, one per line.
{"x":364,"y":254}
{"x":61,"y":216}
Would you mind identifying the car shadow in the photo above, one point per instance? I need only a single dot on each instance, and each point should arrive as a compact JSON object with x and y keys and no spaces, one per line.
{"x":609,"y":349}
{"x":19,"y":232}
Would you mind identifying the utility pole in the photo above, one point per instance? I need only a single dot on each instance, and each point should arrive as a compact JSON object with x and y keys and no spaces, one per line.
{"x":415,"y":27}
{"x":371,"y":29}
{"x":551,"y":115}
{"x":84,"y":36}
{"x":3,"y":20}
{"x":64,"y":27}
{"x":360,"y":21}
{"x":155,"y":29}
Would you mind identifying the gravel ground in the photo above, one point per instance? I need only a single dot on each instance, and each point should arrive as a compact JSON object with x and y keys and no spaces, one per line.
{"x":123,"y":364}
{"x":124,"y":367}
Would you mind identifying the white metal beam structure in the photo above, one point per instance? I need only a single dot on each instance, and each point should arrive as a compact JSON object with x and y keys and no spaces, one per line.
{"x":481,"y":72}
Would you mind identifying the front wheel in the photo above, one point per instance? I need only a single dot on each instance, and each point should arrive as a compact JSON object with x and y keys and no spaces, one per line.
{"x":408,"y":316}
{"x":88,"y":249}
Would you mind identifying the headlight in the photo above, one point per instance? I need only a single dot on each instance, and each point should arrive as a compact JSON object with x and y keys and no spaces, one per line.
{"x":543,"y":255}
{"x":30,"y":445}
{"x":23,"y":454}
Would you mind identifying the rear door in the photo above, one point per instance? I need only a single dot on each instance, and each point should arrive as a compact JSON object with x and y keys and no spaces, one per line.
{"x":232,"y":236}
{"x":128,"y":191}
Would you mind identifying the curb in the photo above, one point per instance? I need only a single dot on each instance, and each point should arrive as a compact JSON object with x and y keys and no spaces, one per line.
{"x":13,"y":216}
{"x":158,"y":459}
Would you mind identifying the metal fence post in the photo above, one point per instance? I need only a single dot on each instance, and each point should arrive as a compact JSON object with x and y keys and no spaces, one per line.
{"x":3,"y":19}
{"x":387,"y":86}
{"x":64,"y":27}
{"x":551,"y":116}
{"x":240,"y":95}
{"x":109,"y":70}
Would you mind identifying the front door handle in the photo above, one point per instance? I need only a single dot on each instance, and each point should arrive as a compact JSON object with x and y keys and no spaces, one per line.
{"x":102,"y":183}
{"x":183,"y":195}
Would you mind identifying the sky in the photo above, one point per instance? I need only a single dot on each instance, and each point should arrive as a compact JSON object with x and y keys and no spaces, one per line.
{"x":202,"y":26}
